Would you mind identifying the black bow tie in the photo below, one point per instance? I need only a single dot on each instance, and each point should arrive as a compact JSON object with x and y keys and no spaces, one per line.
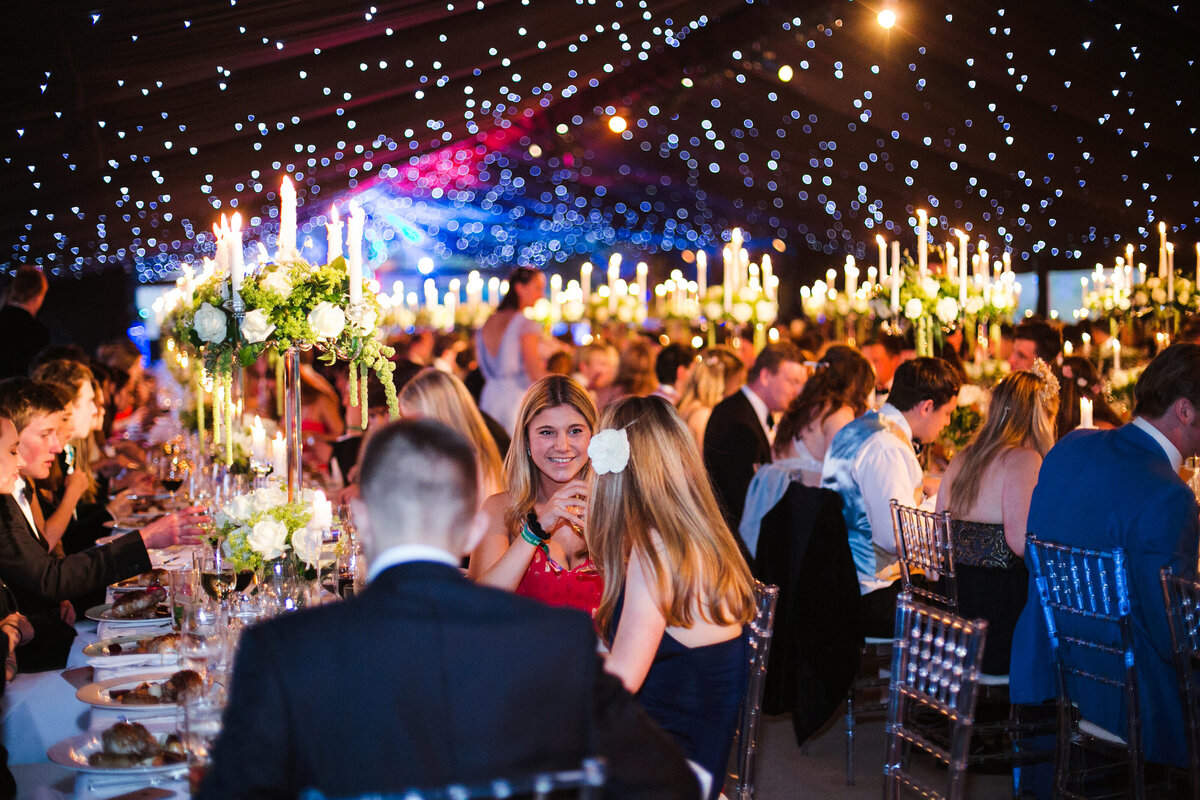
{"x":917,"y":447}
{"x":770,"y":422}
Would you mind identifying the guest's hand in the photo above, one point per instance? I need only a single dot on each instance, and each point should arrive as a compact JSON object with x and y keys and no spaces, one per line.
{"x":18,"y":630}
{"x":179,"y":527}
{"x":567,"y":506}
{"x":67,"y":612}
{"x":76,"y":484}
{"x":346,"y":494}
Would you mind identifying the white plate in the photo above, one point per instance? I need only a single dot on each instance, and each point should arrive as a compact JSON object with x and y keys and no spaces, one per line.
{"x":104,"y":614}
{"x":98,"y":658}
{"x":97,"y":694}
{"x":73,"y":754}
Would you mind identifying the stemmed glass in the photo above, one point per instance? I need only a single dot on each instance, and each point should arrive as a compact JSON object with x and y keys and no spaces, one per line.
{"x":172,"y":471}
{"x":202,"y":637}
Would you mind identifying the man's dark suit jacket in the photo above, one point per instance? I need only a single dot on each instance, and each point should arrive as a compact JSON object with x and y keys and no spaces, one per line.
{"x":40,"y":581}
{"x":426,"y":679}
{"x":21,"y":338}
{"x":734,"y":446}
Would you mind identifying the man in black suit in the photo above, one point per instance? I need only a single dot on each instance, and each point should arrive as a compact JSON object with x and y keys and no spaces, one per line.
{"x":41,"y":582}
{"x":738,"y":437}
{"x":425,"y":679}
{"x":21,"y":335}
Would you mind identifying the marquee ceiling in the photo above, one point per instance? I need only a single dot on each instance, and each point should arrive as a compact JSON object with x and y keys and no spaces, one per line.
{"x":478,"y":134}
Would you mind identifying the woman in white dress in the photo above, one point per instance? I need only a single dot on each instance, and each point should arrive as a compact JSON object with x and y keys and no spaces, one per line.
{"x":507,"y":348}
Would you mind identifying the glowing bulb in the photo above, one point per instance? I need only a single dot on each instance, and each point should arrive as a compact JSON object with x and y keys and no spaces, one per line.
{"x":785,"y":73}
{"x":617,"y":124}
{"x":887,"y":18}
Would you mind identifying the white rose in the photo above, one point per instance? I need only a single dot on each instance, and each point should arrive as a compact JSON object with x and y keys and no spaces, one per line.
{"x":625,"y":313}
{"x":971,"y":395}
{"x":256,"y":327}
{"x":1140,"y":299}
{"x":747,"y":294}
{"x":327,"y":320}
{"x":306,"y":543}
{"x":268,"y":538}
{"x":366,"y":323}
{"x":609,"y":451}
{"x":277,"y":281}
{"x":947,"y":310}
{"x":766,"y":311}
{"x":913,"y":309}
{"x":572,"y":311}
{"x":1159,"y":296}
{"x":1154,"y":282}
{"x":210,"y":323}
{"x":714,"y":310}
{"x":974,"y":304}
{"x":930,"y":286}
{"x":742,"y":312}
{"x":240,"y":508}
{"x":268,"y":497}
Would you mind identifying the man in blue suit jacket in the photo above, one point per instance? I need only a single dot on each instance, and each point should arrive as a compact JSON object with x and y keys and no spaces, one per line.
{"x":426,"y":679}
{"x":1121,"y":488}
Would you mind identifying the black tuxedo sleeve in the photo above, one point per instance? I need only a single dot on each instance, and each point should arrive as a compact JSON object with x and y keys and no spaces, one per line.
{"x":731,"y":450}
{"x":28,"y":567}
{"x":644,"y":763}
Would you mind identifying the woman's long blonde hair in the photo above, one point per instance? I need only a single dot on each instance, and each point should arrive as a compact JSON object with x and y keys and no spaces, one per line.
{"x":520,"y":473}
{"x":442,"y":396}
{"x":1021,"y":413}
{"x":697,"y":565}
{"x":706,"y":383}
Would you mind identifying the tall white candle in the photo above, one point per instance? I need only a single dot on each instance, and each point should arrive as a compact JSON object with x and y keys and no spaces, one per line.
{"x":279,"y":455}
{"x":740,"y":264}
{"x":333,"y":234}
{"x":897,"y":278}
{"x":1129,"y":254}
{"x":768,"y":277}
{"x":237,"y":269}
{"x":643,"y":292}
{"x":1198,"y":264}
{"x":961,"y":266}
{"x":354,"y":237}
{"x":614,"y":272}
{"x":555,"y":290}
{"x":286,"y":248}
{"x":585,"y":280}
{"x":883,"y":270}
{"x":983,"y":262}
{"x":258,"y":440}
{"x":851,"y":277}
{"x":1162,"y":250}
{"x":1170,"y":272}
{"x":431,"y":293}
{"x":922,"y":243}
{"x":702,"y":272}
{"x":1085,"y":413}
{"x":1116,"y":345}
{"x":494,"y":291}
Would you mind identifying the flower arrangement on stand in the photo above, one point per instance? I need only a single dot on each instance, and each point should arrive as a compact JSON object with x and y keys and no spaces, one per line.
{"x":261,"y":527}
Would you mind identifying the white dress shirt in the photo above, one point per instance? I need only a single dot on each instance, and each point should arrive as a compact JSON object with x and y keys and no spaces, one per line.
{"x":26,"y":509}
{"x":761,"y":410}
{"x":1171,"y":451}
{"x":887,"y":469}
{"x":405,"y":553}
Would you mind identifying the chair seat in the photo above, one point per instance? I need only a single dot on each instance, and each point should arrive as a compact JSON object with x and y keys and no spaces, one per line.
{"x":1104,"y":735}
{"x":992,"y":680}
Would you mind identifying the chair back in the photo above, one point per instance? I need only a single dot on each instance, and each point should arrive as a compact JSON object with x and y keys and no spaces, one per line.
{"x":923,"y":545}
{"x":761,"y":631}
{"x":1084,"y":596}
{"x":935,"y":670}
{"x":1182,"y":597}
{"x":585,"y":783}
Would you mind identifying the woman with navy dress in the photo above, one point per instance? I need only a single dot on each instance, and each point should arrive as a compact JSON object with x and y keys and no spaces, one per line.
{"x":677,"y":592}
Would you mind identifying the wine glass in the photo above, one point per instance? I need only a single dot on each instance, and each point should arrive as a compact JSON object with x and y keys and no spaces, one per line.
{"x":217,"y":575}
{"x":172,"y":471}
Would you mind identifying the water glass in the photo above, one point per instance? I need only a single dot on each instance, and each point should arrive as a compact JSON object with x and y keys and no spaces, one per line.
{"x":183,"y":586}
{"x":199,"y":724}
{"x":202,"y":638}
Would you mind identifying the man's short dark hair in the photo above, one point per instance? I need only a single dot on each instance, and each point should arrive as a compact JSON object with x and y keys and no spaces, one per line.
{"x":670,"y":359}
{"x":1047,"y":340}
{"x":28,"y":284}
{"x":1189,"y":330}
{"x":1174,"y":373}
{"x":772,"y":356}
{"x":23,"y":399}
{"x":892,"y":344}
{"x":419,"y":475}
{"x":921,"y":379}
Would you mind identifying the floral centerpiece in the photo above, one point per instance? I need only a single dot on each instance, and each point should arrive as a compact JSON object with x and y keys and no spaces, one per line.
{"x":288,"y":304}
{"x":262,"y":526}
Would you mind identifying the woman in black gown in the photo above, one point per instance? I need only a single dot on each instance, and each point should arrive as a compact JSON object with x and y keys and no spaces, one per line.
{"x":987,"y":489}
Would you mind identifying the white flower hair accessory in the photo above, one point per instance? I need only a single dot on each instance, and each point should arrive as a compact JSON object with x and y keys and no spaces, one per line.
{"x":1049,"y":389}
{"x":609,"y":451}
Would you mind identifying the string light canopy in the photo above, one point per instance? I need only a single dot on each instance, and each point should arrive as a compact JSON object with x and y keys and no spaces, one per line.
{"x":488,"y":134}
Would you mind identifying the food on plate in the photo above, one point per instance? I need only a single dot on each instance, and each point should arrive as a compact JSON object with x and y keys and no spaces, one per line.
{"x":154,"y":576}
{"x":179,"y":687}
{"x":128,"y":744}
{"x":165,"y":644}
{"x":140,"y":604}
